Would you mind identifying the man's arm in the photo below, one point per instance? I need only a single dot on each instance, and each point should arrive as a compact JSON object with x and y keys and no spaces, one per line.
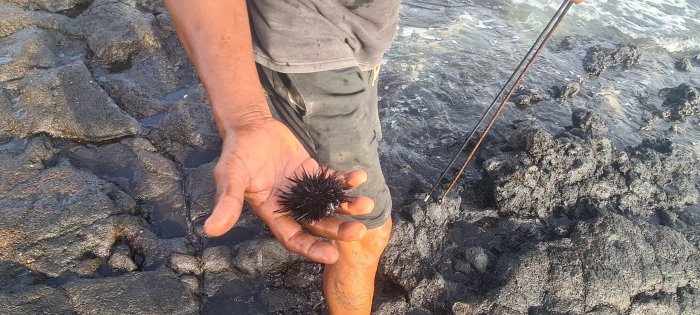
{"x":217,"y":38}
{"x":259,"y":154}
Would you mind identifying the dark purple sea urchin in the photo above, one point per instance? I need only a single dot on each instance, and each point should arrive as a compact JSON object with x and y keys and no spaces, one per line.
{"x":312,"y":196}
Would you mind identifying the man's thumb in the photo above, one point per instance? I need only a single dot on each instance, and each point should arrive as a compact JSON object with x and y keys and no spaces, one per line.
{"x":227,"y":210}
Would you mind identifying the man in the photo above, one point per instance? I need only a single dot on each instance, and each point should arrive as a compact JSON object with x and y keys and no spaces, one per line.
{"x":318,"y":61}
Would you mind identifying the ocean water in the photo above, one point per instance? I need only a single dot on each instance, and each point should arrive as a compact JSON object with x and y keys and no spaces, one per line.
{"x":450,"y":58}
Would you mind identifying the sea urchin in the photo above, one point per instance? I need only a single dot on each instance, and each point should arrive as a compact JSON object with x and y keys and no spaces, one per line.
{"x":312,"y":196}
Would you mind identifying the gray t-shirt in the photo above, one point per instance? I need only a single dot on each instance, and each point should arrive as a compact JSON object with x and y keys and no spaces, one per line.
{"x":298,"y":36}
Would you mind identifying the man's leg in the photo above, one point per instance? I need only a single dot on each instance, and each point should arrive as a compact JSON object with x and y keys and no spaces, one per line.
{"x":335,"y":115}
{"x":349,"y":283}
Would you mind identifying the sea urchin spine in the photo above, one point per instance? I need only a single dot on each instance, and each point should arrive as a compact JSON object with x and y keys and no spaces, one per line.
{"x":312,"y":196}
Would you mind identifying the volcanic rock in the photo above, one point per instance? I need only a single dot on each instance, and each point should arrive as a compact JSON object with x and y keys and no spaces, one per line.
{"x":598,"y":59}
{"x":159,"y":292}
{"x":216,"y":259}
{"x":682,"y":101}
{"x":141,"y":171}
{"x":116,"y":30}
{"x":684,"y":64}
{"x":263,"y":256}
{"x":63,"y":102}
{"x":565,"y":174}
{"x":187,"y":132}
{"x":565,"y":92}
{"x":609,"y":261}
{"x":121,"y":259}
{"x":185,"y":264}
{"x":524,"y":96}
{"x":14,"y":18}
{"x":50,"y":5}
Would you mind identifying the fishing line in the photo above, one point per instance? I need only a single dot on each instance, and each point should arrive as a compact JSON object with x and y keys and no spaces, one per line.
{"x":549,"y":31}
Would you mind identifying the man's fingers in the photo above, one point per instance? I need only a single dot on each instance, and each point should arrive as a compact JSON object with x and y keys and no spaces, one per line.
{"x":356,"y":206}
{"x":337,"y":229}
{"x":354,"y":178}
{"x":289,"y":233}
{"x":226,"y":212}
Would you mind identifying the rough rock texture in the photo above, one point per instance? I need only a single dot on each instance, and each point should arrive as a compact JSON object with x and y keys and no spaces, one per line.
{"x":35,"y":300}
{"x":34,"y":48}
{"x":609,"y":262}
{"x":578,"y":168}
{"x":202,"y":190}
{"x":186,"y":132}
{"x":562,"y":93}
{"x":116,"y":30}
{"x":63,"y":102}
{"x":185,"y":264}
{"x":50,"y":5}
{"x":418,"y":232}
{"x":56,"y":217}
{"x":598,"y":59}
{"x":140,"y":170}
{"x":14,"y":18}
{"x":682,"y":101}
{"x":216,"y":259}
{"x":684,"y":64}
{"x":150,"y":81}
{"x":47,"y":232}
{"x":263,"y":256}
{"x":107,"y":219}
{"x":159,"y":292}
{"x":121,"y":259}
{"x":525,"y":96}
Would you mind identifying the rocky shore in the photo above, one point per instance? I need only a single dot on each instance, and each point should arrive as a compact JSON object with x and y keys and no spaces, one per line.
{"x":106,"y":154}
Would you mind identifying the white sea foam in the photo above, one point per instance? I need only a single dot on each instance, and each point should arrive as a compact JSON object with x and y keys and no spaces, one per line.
{"x":672,"y":24}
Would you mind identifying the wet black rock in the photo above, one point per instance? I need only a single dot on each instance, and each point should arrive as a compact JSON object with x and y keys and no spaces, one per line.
{"x":281,"y":300}
{"x":39,"y":232}
{"x":429,"y":293}
{"x":140,"y":170}
{"x":562,"y":93}
{"x":14,"y":18}
{"x":49,"y":5}
{"x":598,"y":59}
{"x":121,"y":259}
{"x":200,"y":187}
{"x":63,"y":102}
{"x":263,"y":256}
{"x":185,"y":264}
{"x":60,"y":220}
{"x":684,"y":64}
{"x":186,"y":132}
{"x":682,"y":101}
{"x":393,"y":307}
{"x":609,"y":262}
{"x":35,"y":299}
{"x":116,"y":30}
{"x":30,"y":48}
{"x":589,"y":122}
{"x":216,"y":259}
{"x":476,"y":256}
{"x":579,"y":168}
{"x":159,"y":292}
{"x":418,"y":233}
{"x":524,"y":96}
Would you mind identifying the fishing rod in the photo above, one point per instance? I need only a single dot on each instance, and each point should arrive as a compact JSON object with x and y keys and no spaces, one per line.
{"x":546,"y":33}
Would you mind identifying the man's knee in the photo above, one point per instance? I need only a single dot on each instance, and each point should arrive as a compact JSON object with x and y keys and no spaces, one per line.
{"x":376,"y":239}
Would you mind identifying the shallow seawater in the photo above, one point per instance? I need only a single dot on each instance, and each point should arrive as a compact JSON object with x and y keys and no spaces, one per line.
{"x":449,"y":60}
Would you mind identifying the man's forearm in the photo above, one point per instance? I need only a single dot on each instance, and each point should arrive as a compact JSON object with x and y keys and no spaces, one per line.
{"x":217,"y":38}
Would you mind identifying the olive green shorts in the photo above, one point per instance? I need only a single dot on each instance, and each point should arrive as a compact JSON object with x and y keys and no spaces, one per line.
{"x":334,"y":115}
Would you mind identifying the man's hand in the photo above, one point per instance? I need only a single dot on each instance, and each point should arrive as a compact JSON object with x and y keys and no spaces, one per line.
{"x":256,"y":160}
